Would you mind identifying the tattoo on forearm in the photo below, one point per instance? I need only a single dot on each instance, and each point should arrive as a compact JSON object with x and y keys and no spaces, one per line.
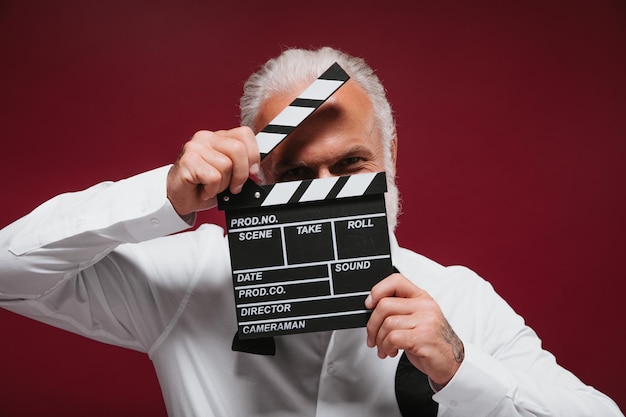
{"x":454,"y":341}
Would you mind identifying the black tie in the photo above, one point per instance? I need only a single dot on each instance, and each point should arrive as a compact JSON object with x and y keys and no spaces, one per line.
{"x":413,"y":392}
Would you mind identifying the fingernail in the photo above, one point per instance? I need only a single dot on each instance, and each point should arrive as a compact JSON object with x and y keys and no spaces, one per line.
{"x":254,"y":169}
{"x":237,"y":189}
{"x":368,"y":301}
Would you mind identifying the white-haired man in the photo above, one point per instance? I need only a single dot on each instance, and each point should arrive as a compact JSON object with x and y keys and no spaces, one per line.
{"x":104,"y":263}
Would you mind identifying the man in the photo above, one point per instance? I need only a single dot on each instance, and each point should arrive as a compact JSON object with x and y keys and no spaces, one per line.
{"x":100,"y":263}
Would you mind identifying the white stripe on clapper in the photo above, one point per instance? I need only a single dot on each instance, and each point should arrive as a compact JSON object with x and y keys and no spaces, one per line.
{"x":320,"y":89}
{"x":281,"y":193}
{"x":319,"y":189}
{"x":268,"y":141}
{"x":356,"y":185}
{"x":292,"y":116}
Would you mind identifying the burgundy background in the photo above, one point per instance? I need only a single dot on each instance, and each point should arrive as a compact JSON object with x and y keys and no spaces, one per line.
{"x":512,"y":143}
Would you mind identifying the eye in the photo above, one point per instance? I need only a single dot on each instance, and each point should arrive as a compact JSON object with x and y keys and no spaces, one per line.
{"x":349,"y":165}
{"x":294,"y":174}
{"x":350,"y":161}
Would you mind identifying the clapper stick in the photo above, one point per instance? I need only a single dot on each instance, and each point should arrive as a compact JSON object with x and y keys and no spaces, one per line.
{"x":305,"y":254}
{"x":289,"y":119}
{"x":302,"y":107}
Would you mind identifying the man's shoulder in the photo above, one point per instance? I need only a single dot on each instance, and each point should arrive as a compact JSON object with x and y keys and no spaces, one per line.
{"x":408,"y":259}
{"x":425,"y":271}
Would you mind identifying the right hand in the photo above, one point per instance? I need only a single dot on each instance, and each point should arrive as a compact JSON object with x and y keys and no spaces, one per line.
{"x":210,"y":163}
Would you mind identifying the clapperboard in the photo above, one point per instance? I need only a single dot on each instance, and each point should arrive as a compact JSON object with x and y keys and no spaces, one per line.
{"x":305,"y":254}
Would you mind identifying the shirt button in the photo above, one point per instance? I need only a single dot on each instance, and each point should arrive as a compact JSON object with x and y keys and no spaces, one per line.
{"x":154,"y":222}
{"x":330,"y":368}
{"x":77,"y":222}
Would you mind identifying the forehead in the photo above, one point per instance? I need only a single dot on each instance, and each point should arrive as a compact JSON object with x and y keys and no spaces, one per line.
{"x":344,"y":126}
{"x":350,"y":100}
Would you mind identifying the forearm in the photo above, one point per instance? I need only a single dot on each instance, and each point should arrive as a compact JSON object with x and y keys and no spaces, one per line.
{"x":73,"y":231}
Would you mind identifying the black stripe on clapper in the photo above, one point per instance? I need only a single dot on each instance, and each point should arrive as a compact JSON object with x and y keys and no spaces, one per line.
{"x":306,"y":102}
{"x":341,"y":181}
{"x":297,"y":195}
{"x":334,"y":72}
{"x":268,"y":190}
{"x":378,"y":185}
{"x":280,"y":129}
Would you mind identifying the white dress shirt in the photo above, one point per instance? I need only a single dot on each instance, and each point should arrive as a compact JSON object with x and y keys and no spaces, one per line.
{"x":105,"y":263}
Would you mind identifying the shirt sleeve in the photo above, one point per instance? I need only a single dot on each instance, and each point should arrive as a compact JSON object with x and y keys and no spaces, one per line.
{"x":73,"y":231}
{"x":72,"y":262}
{"x":506,"y":372}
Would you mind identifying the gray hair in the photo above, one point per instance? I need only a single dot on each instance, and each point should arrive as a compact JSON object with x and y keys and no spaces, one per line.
{"x":295,"y":67}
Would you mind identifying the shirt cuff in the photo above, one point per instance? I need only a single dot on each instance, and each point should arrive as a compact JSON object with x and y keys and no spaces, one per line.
{"x":478,"y":386}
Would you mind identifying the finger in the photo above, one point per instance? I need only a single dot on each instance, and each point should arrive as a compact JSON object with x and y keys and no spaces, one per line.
{"x":387,"y":310}
{"x":422,"y":323}
{"x":205,"y":166}
{"x":229,"y":157}
{"x":254,"y":155}
{"x":410,"y":324}
{"x":240,"y":146}
{"x":246,"y":136}
{"x":226,"y":152}
{"x":212,"y":181}
{"x":395,"y":285}
{"x":184,"y":191}
{"x":396,"y":340}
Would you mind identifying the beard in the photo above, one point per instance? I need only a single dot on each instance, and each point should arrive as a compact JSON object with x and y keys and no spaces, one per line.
{"x":392,"y":202}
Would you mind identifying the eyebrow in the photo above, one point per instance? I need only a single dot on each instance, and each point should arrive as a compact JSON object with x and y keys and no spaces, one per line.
{"x":354,"y":150}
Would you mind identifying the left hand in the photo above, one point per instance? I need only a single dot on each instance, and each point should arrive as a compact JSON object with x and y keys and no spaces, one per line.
{"x":408,"y":318}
